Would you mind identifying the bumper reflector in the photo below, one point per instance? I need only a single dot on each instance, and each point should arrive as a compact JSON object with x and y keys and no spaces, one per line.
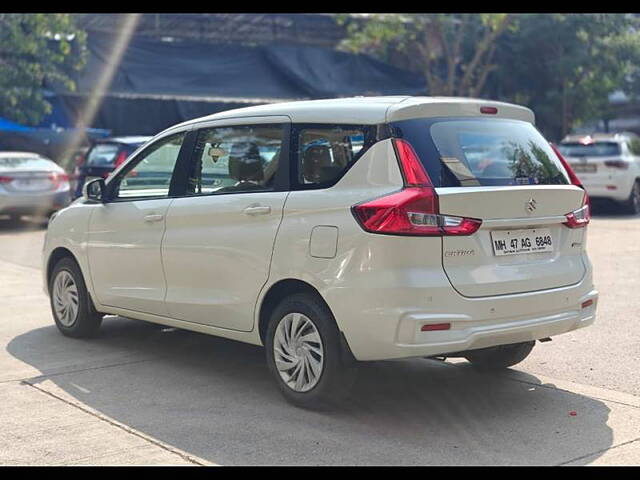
{"x":588,"y":303}
{"x":435,"y":326}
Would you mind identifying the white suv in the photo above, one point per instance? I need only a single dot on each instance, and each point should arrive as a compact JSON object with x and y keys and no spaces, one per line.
{"x":332,"y":232}
{"x":607,"y":165}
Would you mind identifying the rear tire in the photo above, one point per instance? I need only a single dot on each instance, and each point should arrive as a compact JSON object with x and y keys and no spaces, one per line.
{"x":304,"y":353}
{"x":632,"y":205}
{"x":72,"y":308}
{"x":500,"y":357}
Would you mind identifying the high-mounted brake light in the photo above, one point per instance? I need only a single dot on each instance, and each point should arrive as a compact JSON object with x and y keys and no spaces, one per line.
{"x":414,"y":210}
{"x":580,"y":217}
{"x":489,"y":110}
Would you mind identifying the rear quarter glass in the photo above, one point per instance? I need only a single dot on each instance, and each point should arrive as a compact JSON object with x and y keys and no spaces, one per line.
{"x":476,"y":151}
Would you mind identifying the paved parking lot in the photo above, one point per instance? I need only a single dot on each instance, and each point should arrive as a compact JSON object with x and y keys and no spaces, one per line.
{"x":144,"y":394}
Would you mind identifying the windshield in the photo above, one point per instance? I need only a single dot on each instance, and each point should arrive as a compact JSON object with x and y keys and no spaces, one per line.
{"x":597,"y":149}
{"x":474,"y":152}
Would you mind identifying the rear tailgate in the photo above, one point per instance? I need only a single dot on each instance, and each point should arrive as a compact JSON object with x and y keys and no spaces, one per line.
{"x":503,"y":172}
{"x":522,"y":245}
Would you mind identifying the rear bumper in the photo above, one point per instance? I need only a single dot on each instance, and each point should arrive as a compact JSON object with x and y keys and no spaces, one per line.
{"x":34,"y":204}
{"x":603,"y":186}
{"x":469,"y":334}
{"x":391,"y":327}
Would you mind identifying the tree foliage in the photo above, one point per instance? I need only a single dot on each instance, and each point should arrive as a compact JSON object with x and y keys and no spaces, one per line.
{"x":563,"y":66}
{"x":36,"y":51}
{"x":454,"y":52}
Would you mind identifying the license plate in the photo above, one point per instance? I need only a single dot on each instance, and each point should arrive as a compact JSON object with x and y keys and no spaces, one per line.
{"x":514,"y":242}
{"x":584,"y":168}
{"x":29,"y":184}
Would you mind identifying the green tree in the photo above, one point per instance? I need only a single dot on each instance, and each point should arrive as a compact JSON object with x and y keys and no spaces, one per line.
{"x":36,"y":50}
{"x":564,"y":66}
{"x":454,"y":52}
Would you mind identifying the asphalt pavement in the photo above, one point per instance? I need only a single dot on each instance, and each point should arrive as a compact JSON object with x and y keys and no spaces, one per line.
{"x":143,"y":394}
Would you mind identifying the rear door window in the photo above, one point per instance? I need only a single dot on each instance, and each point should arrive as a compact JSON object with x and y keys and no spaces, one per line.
{"x":482,"y":152}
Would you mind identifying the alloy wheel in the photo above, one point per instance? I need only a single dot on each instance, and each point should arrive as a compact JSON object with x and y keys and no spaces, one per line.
{"x":65,"y":298}
{"x":298,"y":352}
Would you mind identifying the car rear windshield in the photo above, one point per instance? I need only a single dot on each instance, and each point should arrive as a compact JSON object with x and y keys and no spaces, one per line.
{"x":458,"y":152}
{"x":105,"y":154}
{"x":597,"y":149}
{"x":26,"y":163}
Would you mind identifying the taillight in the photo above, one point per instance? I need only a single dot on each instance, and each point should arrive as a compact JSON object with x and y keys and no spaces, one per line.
{"x":5,"y":179}
{"x":59,"y":180}
{"x":122,"y":156}
{"x":572,"y":175}
{"x":580,"y":217}
{"x":620,"y":164}
{"x":414,"y":210}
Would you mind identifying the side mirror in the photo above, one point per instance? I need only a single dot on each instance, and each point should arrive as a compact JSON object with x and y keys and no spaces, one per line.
{"x":93,"y":191}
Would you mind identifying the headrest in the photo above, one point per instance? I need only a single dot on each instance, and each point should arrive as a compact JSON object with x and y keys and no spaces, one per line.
{"x":245,"y":162}
{"x":316,"y":158}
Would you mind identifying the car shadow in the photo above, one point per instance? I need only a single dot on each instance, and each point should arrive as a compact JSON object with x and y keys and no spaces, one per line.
{"x":214,"y":398}
{"x":24,"y":224}
{"x":607,"y":209}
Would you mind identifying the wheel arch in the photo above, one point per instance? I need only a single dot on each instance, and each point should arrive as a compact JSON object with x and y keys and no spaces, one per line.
{"x":276,"y":293}
{"x":56,"y":255}
{"x":291,"y":286}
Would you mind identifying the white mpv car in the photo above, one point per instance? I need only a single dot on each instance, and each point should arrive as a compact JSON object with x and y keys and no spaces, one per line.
{"x":335,"y":231}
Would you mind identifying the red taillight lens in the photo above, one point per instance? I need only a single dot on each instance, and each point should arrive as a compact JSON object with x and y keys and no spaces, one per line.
{"x":572,"y":175}
{"x":414,"y":210}
{"x":489,"y":110}
{"x":412,"y":169}
{"x":5,"y":179}
{"x":122,"y":156}
{"x":59,"y":179}
{"x":577,"y":218}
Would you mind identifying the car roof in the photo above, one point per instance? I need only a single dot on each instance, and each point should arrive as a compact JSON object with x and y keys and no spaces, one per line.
{"x":131,"y":140}
{"x":371,"y":110}
{"x":18,"y":154}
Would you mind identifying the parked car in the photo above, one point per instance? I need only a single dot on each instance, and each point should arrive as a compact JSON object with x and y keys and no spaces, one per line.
{"x":335,"y":231}
{"x":31,"y":184}
{"x":103,"y":157}
{"x":608,"y":166}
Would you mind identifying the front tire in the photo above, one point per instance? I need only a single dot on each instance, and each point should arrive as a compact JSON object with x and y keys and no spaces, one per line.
{"x":304,"y":353}
{"x":71,"y":306}
{"x":500,"y":357}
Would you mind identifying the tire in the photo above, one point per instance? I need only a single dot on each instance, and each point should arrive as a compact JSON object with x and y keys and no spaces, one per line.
{"x":78,"y":318}
{"x":331,"y":381}
{"x":632,"y":205}
{"x":500,"y":357}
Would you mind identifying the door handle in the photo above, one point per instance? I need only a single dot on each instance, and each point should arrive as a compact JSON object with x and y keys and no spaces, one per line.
{"x":257,"y":210}
{"x":153,"y":218}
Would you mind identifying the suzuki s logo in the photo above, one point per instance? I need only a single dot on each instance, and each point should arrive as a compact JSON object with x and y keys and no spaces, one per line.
{"x":530,"y":206}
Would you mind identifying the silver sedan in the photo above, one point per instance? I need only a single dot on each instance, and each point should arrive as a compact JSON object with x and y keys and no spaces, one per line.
{"x":31,"y":184}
